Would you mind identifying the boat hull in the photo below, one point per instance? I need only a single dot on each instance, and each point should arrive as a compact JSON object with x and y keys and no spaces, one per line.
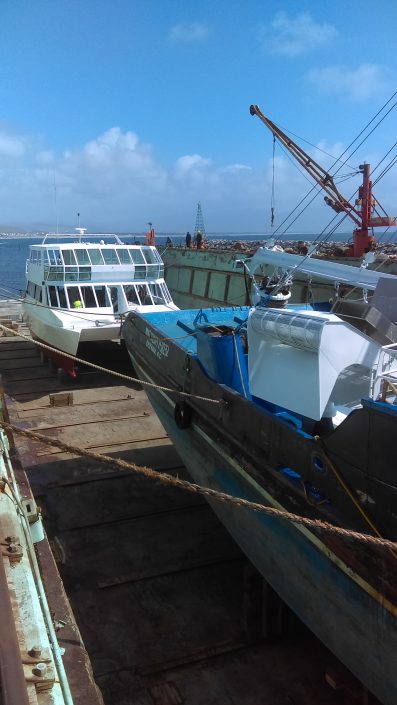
{"x":46,"y":326}
{"x":347,"y":614}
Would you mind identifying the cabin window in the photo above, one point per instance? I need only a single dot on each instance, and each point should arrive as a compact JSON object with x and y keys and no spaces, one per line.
{"x":124,"y":256}
{"x":152,"y":257}
{"x":96,"y":257}
{"x":53,"y":296}
{"x":110,"y":256}
{"x":137,"y":256}
{"x":74,"y":296}
{"x":54,"y":273}
{"x":54,"y":257}
{"x":156,"y":293}
{"x":166,"y":293}
{"x":88,"y":297}
{"x":37,"y":292}
{"x":82,"y":256}
{"x":85,"y":274}
{"x":35,"y":256}
{"x":68,"y":257}
{"x":149,"y":256}
{"x":114,"y":296}
{"x":102,"y":296}
{"x":140,"y":263}
{"x":71,"y":274}
{"x":144,"y":295}
{"x":130,"y":294}
{"x":62,"y":297}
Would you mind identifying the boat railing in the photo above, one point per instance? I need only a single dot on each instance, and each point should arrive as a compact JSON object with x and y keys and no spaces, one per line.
{"x":384,"y":373}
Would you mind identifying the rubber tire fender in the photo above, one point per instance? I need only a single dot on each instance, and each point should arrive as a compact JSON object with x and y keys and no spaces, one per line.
{"x":183,"y":414}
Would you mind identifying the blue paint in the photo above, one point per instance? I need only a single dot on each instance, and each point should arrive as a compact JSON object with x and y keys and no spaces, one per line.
{"x":289,"y":472}
{"x":289,"y":418}
{"x":382,"y":406}
{"x":222,"y":358}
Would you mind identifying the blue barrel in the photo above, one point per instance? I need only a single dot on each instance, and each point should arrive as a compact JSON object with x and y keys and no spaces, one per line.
{"x":216,"y":351}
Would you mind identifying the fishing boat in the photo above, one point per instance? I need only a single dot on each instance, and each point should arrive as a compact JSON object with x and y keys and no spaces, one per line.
{"x":295,"y":409}
{"x":79,"y":291}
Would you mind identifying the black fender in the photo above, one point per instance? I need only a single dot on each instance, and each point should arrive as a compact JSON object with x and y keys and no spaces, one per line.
{"x":183,"y":414}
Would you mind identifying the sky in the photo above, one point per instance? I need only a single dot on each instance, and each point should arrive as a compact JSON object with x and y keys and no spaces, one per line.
{"x":130,"y":111}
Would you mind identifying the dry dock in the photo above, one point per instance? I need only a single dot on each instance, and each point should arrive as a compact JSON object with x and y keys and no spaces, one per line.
{"x":160,"y":600}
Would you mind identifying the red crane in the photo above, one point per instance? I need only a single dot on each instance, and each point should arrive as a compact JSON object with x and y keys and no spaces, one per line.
{"x":361,"y":213}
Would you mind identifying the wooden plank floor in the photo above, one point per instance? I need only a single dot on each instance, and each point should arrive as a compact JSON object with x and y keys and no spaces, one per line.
{"x":157,"y":586}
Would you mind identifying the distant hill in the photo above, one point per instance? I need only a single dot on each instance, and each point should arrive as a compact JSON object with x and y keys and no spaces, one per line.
{"x":32,"y":228}
{"x":42,"y":227}
{"x":12,"y":229}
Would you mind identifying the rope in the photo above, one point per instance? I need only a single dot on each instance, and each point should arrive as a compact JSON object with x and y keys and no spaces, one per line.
{"x":239,"y":365}
{"x":166,"y":479}
{"x":272,"y":199}
{"x":350,"y":494}
{"x":120,"y":375}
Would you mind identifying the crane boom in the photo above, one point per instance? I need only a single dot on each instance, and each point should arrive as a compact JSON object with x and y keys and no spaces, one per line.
{"x":360,"y":213}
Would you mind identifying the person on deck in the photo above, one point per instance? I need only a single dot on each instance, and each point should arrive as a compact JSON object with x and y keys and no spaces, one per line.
{"x":142,"y":295}
{"x":188,"y":239}
{"x":199,"y":240}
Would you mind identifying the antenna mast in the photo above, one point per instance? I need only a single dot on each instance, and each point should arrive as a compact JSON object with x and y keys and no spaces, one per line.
{"x":199,"y":221}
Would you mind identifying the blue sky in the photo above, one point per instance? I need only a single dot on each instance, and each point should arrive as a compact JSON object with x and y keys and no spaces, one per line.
{"x":133,"y":111}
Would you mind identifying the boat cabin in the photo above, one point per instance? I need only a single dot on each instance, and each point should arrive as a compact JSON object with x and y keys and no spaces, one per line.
{"x":93,"y":276}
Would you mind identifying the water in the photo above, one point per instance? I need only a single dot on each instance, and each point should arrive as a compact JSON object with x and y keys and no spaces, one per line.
{"x":13,"y":256}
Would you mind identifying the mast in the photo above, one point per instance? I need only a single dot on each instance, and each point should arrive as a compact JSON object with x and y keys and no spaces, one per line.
{"x":361,"y":213}
{"x":199,"y":227}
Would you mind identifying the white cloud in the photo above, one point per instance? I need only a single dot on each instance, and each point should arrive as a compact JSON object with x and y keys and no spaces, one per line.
{"x":113,"y":163}
{"x":46,"y":156}
{"x":12,"y":146}
{"x":190,"y":163}
{"x":189,"y":32}
{"x":117,"y":183}
{"x":362,"y":83}
{"x":293,"y":36}
{"x":111,"y":145}
{"x":234,"y":168}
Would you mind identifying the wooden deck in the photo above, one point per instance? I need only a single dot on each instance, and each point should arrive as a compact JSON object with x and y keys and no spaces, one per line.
{"x":168,"y":608}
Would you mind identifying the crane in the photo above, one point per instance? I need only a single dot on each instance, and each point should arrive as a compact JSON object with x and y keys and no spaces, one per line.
{"x":361,"y":212}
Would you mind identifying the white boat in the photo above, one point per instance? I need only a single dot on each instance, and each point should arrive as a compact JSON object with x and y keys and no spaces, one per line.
{"x":80,"y":291}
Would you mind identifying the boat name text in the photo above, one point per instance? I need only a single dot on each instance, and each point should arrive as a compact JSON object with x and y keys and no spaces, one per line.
{"x":157,"y":346}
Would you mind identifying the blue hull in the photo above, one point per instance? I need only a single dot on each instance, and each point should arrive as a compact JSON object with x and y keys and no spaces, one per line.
{"x":354,"y":621}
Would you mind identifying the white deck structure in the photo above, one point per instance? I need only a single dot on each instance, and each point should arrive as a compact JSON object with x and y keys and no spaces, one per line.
{"x":314,"y":363}
{"x":309,"y":363}
{"x":360,"y":277}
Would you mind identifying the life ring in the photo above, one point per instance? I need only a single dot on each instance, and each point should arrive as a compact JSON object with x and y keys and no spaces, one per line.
{"x":183,"y":415}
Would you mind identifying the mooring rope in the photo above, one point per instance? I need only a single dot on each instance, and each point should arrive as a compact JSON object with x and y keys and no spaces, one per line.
{"x":165,"y":479}
{"x":120,"y":375}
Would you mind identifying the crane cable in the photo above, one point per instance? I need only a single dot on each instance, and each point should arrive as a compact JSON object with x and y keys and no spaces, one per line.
{"x":272,"y":200}
{"x":315,"y":186}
